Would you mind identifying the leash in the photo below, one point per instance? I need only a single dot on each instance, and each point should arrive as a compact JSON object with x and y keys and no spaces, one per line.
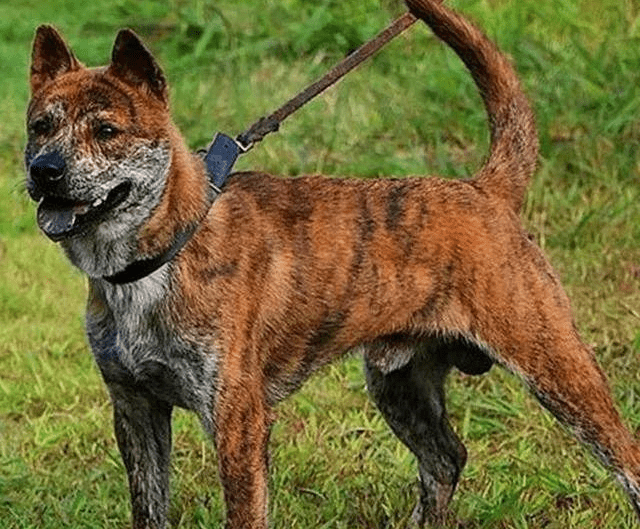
{"x":224,"y":150}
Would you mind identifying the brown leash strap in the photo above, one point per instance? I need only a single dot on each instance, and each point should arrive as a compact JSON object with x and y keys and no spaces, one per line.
{"x":266,"y":125}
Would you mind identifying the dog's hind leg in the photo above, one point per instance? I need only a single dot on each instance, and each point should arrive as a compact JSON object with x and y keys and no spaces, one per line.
{"x":536,"y":338}
{"x":411,"y":398}
{"x":143,"y":431}
{"x":563,"y":374}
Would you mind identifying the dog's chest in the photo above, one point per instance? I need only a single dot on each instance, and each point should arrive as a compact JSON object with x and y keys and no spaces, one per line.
{"x":136,"y":345}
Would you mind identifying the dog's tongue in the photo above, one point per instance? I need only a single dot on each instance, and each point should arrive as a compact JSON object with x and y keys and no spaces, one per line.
{"x":55,"y":222}
{"x":58,"y":221}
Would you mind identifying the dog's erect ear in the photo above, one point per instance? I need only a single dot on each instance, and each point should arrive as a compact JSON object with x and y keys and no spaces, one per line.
{"x":133,"y":63}
{"x":50,"y":58}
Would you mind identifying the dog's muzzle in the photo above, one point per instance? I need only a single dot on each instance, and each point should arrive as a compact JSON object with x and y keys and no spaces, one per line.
{"x":59,"y":216}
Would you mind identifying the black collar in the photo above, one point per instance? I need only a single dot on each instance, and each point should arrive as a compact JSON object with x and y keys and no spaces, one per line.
{"x":219,"y":159}
{"x":144,"y":267}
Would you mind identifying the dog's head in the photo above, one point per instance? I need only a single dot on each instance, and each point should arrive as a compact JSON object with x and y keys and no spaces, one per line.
{"x":98,"y":148}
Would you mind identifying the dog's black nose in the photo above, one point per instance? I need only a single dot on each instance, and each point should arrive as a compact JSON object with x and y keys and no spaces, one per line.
{"x":47,"y":169}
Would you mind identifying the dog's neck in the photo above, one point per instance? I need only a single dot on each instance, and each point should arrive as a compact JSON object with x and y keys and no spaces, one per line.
{"x":166,"y":233}
{"x":219,"y":159}
{"x":186,"y":200}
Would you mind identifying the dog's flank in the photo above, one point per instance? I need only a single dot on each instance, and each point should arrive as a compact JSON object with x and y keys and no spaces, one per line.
{"x":285,"y":275}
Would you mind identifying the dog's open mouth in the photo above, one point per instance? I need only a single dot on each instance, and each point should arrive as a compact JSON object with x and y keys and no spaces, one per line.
{"x":60,"y":218}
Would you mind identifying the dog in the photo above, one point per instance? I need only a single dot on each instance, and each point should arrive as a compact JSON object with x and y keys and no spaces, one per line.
{"x":225,"y":303}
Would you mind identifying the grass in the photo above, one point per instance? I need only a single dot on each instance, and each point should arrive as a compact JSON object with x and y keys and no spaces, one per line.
{"x":411,"y":110}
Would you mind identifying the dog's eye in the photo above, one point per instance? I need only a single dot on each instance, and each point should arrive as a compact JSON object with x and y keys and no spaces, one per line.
{"x":41,"y":127}
{"x":105,"y":131}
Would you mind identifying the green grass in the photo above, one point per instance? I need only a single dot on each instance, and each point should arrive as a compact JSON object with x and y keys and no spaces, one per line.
{"x":411,"y":110}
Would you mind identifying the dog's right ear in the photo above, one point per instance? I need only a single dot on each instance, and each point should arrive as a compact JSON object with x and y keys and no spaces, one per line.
{"x":50,"y":58}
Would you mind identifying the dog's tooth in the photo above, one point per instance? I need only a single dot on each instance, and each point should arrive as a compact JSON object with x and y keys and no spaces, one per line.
{"x":97,"y":202}
{"x":81,"y":209}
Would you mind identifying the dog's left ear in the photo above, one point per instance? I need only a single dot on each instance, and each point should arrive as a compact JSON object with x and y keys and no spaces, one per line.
{"x":133,"y":63}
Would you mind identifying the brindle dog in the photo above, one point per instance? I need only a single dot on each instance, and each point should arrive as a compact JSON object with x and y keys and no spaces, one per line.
{"x":277,"y":277}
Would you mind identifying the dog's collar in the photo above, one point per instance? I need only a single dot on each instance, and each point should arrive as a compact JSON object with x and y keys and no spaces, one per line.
{"x":219,"y":159}
{"x":144,"y":267}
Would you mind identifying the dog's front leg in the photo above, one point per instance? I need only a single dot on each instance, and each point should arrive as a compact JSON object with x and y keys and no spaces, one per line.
{"x":242,"y":434}
{"x":143,"y":431}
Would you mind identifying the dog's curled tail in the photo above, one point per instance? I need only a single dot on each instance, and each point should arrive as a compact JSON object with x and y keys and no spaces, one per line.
{"x":514,"y":141}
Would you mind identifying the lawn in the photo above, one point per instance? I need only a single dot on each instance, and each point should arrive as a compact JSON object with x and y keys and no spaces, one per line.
{"x":413,"y":109}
